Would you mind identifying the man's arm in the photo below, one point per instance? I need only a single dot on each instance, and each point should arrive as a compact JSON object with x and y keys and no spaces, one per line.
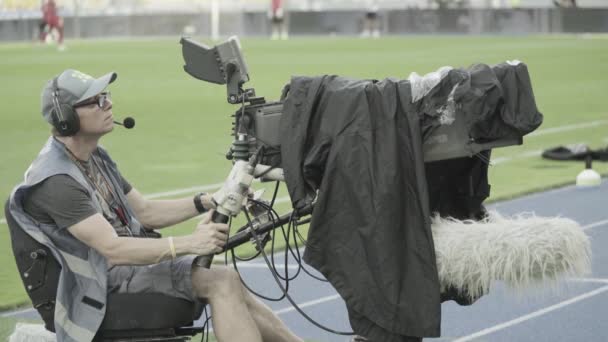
{"x":155,"y":214}
{"x":96,"y":232}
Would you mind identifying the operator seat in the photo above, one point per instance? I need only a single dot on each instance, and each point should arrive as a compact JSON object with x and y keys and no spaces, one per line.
{"x":129,"y":317}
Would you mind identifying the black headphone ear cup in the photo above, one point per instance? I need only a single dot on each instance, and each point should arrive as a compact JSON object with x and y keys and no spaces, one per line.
{"x":70,"y":123}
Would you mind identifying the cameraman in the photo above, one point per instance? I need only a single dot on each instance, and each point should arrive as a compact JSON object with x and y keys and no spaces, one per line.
{"x":97,"y":223}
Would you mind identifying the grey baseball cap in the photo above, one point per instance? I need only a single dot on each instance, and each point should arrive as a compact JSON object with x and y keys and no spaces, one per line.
{"x":74,"y":87}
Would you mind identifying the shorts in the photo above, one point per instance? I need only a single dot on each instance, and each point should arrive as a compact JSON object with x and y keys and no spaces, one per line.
{"x":170,"y":277}
{"x":371,"y":15}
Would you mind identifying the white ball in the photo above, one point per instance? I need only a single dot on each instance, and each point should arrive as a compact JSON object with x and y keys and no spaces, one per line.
{"x":587,"y":178}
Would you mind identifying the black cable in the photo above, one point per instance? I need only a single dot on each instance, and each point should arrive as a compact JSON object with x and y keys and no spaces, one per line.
{"x":293,"y":303}
{"x":286,"y":289}
{"x":288,"y":247}
{"x":287,"y":244}
{"x":272,"y":267}
{"x":206,"y":325}
{"x":286,"y":236}
{"x":242,"y":280}
{"x":297,"y":257}
{"x":272,"y":214}
{"x":286,"y":257}
{"x":249,"y":288}
{"x":245,"y":259}
{"x":298,"y":250}
{"x":302,"y":239}
{"x":290,"y":227}
{"x":257,"y":254}
{"x":274,"y":195}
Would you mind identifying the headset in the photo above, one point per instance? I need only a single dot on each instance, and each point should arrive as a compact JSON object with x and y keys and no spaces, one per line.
{"x":63,"y":116}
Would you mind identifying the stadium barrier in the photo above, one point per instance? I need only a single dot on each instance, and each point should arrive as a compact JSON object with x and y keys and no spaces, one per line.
{"x":343,"y":22}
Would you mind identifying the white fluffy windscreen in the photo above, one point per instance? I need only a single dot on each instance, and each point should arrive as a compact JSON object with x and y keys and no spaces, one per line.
{"x":522,"y":251}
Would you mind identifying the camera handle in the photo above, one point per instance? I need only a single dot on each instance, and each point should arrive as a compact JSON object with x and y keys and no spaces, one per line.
{"x":232,"y":196}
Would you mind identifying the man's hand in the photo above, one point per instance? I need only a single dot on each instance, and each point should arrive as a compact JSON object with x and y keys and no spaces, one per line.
{"x":208,"y":237}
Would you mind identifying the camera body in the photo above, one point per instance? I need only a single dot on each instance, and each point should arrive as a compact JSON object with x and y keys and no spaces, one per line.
{"x":256,"y":125}
{"x":260,"y":122}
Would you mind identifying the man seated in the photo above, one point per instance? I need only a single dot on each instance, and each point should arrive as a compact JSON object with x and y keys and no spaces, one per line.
{"x":96,"y":224}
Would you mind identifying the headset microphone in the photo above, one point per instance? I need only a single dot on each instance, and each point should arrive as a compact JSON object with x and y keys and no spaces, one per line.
{"x":128,"y":122}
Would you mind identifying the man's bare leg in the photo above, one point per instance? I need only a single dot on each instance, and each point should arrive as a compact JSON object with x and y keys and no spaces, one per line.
{"x":269,"y":325}
{"x":232,"y":320}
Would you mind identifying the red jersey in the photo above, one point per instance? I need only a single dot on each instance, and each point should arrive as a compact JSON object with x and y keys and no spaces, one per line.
{"x":49,"y":12}
{"x":277,"y":6}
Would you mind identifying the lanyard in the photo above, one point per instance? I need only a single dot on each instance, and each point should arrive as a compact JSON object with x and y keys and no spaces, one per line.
{"x":108,"y":195}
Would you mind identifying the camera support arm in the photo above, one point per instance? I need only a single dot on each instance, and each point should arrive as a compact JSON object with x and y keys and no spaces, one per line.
{"x":231,"y":198}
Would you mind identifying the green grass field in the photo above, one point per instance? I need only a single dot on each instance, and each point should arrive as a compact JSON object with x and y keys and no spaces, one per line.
{"x":183,"y":125}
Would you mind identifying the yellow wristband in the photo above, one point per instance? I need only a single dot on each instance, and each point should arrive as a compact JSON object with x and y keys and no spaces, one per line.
{"x":172,"y":247}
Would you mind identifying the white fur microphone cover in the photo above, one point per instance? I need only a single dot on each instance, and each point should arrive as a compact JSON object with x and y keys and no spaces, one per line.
{"x":522,"y":251}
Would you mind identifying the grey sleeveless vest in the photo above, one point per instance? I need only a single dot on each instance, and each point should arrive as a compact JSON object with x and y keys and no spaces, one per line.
{"x":81,"y":295}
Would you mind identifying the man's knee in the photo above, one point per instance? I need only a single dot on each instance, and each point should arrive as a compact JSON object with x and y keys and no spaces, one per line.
{"x":228,"y":277}
{"x":216,"y":282}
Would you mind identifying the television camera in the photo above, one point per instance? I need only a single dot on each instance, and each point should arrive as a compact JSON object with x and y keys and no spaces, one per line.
{"x":256,"y":150}
{"x":256,"y":153}
{"x":258,"y":120}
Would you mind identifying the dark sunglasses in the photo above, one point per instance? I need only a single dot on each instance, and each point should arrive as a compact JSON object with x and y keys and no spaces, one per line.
{"x":102,"y":100}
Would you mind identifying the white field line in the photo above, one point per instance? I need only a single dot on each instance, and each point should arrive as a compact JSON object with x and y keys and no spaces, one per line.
{"x":307,"y":304}
{"x":15,"y":313}
{"x":184,"y":191}
{"x":495,"y":161}
{"x":543,"y":193}
{"x":532,"y":315}
{"x":502,"y":160}
{"x":595,"y":224}
{"x":590,"y":280}
{"x":566,"y":128}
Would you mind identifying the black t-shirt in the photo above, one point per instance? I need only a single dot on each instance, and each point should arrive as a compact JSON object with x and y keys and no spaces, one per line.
{"x":60,"y":199}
